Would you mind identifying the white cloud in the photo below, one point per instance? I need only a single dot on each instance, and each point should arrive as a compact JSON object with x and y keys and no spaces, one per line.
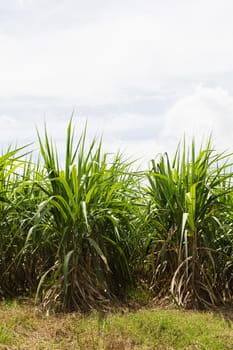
{"x":13,"y":132}
{"x":110,"y":54}
{"x":114,"y":49}
{"x":205,"y":111}
{"x":7,"y":122}
{"x":141,"y":136}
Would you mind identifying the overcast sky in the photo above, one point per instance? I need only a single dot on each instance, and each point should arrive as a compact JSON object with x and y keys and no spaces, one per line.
{"x":143,"y":72}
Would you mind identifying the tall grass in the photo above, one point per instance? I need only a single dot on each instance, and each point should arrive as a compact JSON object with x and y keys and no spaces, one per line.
{"x":17,"y":200}
{"x":79,"y":235}
{"x":87,"y":220}
{"x":189,"y":213}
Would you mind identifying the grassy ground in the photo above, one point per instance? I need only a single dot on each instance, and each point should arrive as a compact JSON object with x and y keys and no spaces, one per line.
{"x":25,"y":327}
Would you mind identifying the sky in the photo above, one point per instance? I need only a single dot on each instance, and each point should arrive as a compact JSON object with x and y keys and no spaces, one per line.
{"x":143,"y":73}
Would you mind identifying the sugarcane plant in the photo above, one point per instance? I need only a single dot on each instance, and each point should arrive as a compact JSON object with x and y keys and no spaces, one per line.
{"x":188,"y":212}
{"x":16,"y":207}
{"x":86,"y":222}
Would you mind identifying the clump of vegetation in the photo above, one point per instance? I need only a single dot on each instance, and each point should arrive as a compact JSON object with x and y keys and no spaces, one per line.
{"x":89,"y":216}
{"x":190,"y":247}
{"x":79,"y":236}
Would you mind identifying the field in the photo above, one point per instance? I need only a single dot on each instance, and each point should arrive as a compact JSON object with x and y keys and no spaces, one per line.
{"x":26,"y":327}
{"x":84,"y":234}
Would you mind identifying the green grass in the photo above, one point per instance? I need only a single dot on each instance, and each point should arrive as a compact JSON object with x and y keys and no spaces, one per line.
{"x":25,"y":327}
{"x":161,"y":330}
